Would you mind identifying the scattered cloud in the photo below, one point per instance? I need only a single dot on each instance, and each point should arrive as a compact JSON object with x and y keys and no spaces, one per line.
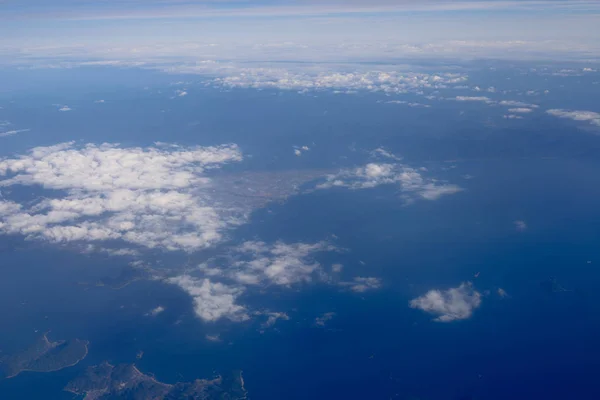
{"x":514,"y":103}
{"x":64,"y":108}
{"x":520,"y":225}
{"x":213,"y":338}
{"x":298,"y":150}
{"x":279,"y":264}
{"x":588,"y":116}
{"x":13,"y":132}
{"x":154,"y":312}
{"x":150,"y":197}
{"x":502,"y":293}
{"x":322,"y":320}
{"x":361,"y":284}
{"x":474,"y":99}
{"x":212,"y":301}
{"x":272,"y":318}
{"x":337,"y":268}
{"x":99,"y":101}
{"x":513,"y":116}
{"x":303,"y":79}
{"x":449,"y":305}
{"x":521,"y":110}
{"x":381,"y":152}
{"x":372,"y":175}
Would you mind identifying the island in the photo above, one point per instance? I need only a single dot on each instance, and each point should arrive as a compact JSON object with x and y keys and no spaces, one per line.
{"x":45,"y":356}
{"x":125,"y":381}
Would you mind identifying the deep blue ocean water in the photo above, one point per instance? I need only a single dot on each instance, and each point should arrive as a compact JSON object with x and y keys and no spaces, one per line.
{"x":530,"y":345}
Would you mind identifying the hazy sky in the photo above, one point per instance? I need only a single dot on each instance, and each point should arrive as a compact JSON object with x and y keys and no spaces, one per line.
{"x":307,"y":30}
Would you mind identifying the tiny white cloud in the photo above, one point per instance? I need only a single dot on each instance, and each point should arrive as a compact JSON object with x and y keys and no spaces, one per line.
{"x":273,"y":317}
{"x":65,"y":108}
{"x":362,"y":284}
{"x":13,"y":132}
{"x":482,"y":99}
{"x":502,"y":293}
{"x":322,"y":320}
{"x":520,"y":225}
{"x":449,"y":305}
{"x":337,"y":268}
{"x":155,"y":311}
{"x":297,"y":152}
{"x":520,"y":110}
{"x":213,"y":338}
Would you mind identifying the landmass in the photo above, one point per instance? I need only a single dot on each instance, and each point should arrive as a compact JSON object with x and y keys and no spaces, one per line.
{"x":45,"y":356}
{"x":125,"y":381}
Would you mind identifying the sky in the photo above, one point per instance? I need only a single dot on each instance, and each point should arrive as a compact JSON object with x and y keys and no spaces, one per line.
{"x":302,"y":30}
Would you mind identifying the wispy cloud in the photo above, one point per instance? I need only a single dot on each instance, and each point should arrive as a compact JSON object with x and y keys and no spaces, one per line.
{"x":13,"y":132}
{"x":362,"y":284}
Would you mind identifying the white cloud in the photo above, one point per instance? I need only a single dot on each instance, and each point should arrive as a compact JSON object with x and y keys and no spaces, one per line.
{"x":303,"y":78}
{"x":502,"y":293}
{"x":588,"y":116}
{"x":362,"y":284}
{"x":520,"y":225}
{"x":99,"y":101}
{"x":297,"y":152}
{"x":155,"y":311}
{"x":521,"y":110}
{"x":213,"y":338}
{"x":513,"y":103}
{"x":376,"y":174}
{"x":322,"y":320}
{"x":386,"y":154}
{"x":212,"y":301}
{"x":13,"y":132}
{"x":279,"y":264}
{"x":337,"y":268}
{"x":474,"y":99}
{"x":181,"y":93}
{"x":272,"y":318}
{"x":65,"y":108}
{"x":449,"y":305}
{"x":513,"y":116}
{"x":151,"y":197}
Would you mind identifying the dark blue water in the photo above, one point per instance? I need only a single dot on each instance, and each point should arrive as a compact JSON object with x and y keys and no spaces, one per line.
{"x":532,"y":344}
